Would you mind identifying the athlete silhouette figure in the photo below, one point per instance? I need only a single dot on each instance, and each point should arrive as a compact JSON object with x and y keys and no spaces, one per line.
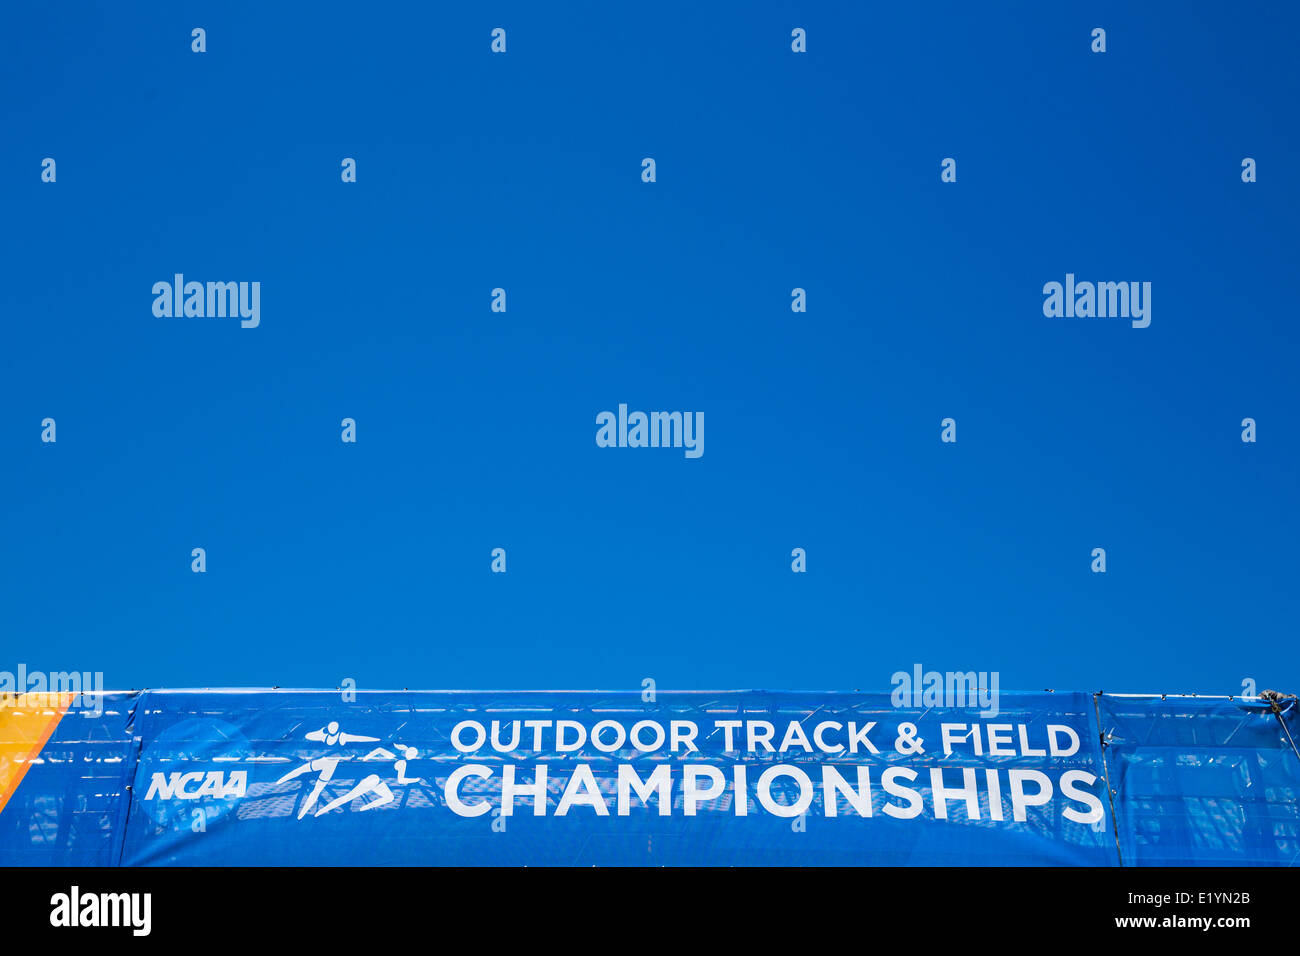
{"x":371,"y":783}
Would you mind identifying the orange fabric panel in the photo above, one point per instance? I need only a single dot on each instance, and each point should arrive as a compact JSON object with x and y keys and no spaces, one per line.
{"x":26,"y":722}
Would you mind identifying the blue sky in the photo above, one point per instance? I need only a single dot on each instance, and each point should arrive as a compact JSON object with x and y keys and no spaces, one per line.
{"x":476,"y":429}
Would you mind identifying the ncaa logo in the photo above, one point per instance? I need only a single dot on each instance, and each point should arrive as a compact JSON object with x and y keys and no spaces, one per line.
{"x":192,"y":775}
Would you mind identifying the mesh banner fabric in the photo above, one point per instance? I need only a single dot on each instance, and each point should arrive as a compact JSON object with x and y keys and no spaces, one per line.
{"x":286,"y":777}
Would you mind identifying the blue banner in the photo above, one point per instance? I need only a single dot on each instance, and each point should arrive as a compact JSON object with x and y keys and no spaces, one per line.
{"x":611,"y":779}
